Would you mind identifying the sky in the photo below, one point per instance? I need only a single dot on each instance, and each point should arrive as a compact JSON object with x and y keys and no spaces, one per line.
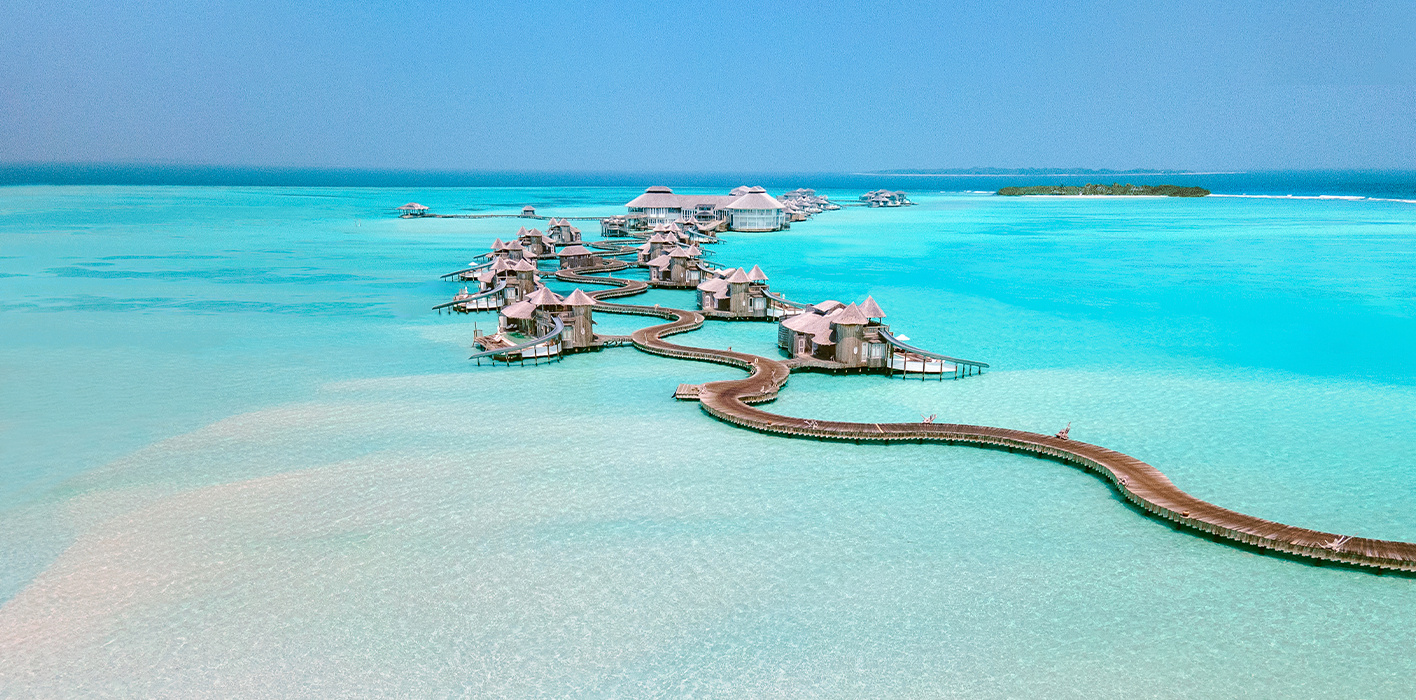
{"x":699,"y":86}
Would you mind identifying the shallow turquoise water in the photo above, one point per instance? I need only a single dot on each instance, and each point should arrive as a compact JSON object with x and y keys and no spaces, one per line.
{"x":240,"y":457}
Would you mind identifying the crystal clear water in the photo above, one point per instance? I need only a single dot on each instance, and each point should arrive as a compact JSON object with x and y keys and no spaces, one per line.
{"x":239,"y":457}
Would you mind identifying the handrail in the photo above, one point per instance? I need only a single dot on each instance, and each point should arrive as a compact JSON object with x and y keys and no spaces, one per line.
{"x":556,"y":331}
{"x":782,"y":300}
{"x":896,"y":342}
{"x":501,"y":284}
{"x":489,"y":263}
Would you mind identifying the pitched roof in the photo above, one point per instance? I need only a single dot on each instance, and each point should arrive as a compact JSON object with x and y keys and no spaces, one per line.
{"x":521,"y":309}
{"x":523,"y":265}
{"x":660,"y":261}
{"x":756,"y":198}
{"x":872,"y":309}
{"x":543,"y":296}
{"x":827,"y":305}
{"x":657,"y":197}
{"x":498,"y":245}
{"x":579,"y":298}
{"x":715,"y":285}
{"x":756,"y":274}
{"x":413,"y":206}
{"x":738,"y":277}
{"x":679,"y":252}
{"x":574,"y":250}
{"x":817,"y":325}
{"x":694,"y":250}
{"x":851,"y":316}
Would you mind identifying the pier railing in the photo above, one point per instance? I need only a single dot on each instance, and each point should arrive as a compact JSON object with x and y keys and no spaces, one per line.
{"x":501,"y":285}
{"x":891,"y":339}
{"x":556,"y":330}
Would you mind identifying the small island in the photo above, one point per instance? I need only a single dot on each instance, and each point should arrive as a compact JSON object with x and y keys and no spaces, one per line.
{"x":1113,"y":190}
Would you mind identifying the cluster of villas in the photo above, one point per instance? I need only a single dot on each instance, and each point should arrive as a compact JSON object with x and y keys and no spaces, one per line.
{"x":885,"y":198}
{"x":802,"y":204}
{"x":536,"y":322}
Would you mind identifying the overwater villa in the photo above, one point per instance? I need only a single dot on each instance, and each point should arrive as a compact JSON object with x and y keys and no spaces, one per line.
{"x":744,"y":209}
{"x":619,"y":226}
{"x":535,"y":242}
{"x":412,"y":210}
{"x":513,"y":249}
{"x":662,"y":240}
{"x":563,"y":232}
{"x":578,"y":256}
{"x":677,"y":267}
{"x":735,"y":293}
{"x":544,"y":324}
{"x":850,"y":337}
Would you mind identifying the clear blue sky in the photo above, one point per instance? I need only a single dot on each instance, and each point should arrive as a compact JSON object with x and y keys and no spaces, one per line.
{"x":744,"y":86}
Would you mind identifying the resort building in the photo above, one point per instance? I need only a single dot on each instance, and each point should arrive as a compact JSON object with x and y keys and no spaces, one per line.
{"x":744,"y":209}
{"x":528,"y":211}
{"x":412,"y":209}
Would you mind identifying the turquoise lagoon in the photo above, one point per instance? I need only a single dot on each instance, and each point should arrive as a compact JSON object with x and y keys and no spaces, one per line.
{"x":240,"y":457}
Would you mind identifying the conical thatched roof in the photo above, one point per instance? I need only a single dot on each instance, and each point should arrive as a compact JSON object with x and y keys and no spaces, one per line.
{"x":574,"y":250}
{"x":756,"y":198}
{"x":521,"y":309}
{"x":738,"y":277}
{"x":498,"y":245}
{"x":872,"y":309}
{"x":850,"y":316}
{"x":543,"y":296}
{"x":756,"y":274}
{"x":716,"y":285}
{"x":579,"y":298}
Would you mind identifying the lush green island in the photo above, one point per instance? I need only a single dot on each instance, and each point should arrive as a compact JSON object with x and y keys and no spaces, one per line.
{"x":1114,"y":190}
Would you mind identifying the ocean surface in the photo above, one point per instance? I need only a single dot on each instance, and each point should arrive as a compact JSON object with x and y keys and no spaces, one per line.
{"x":239,"y":456}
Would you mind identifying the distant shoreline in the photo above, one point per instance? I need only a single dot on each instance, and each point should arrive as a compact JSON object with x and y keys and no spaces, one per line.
{"x":1113,"y":190}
